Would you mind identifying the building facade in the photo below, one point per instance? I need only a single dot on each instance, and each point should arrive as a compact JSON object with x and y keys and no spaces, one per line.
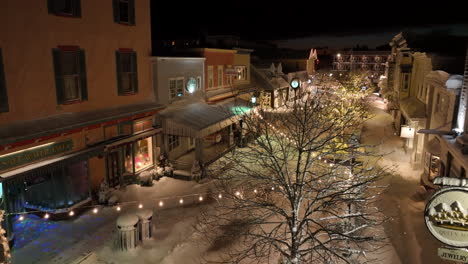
{"x":77,"y":106}
{"x":373,"y":62}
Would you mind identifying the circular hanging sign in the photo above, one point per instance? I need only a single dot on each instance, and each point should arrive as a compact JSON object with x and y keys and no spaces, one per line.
{"x":446,"y":216}
{"x":191,"y":85}
{"x":295,"y":83}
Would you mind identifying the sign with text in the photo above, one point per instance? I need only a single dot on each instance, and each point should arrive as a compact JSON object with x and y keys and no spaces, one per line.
{"x":453,"y":254}
{"x":22,"y":157}
{"x":446,"y":216}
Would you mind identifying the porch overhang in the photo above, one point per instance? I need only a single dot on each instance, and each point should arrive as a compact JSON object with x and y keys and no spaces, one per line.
{"x":199,"y":119}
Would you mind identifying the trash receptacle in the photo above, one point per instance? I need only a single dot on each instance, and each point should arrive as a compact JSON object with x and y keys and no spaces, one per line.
{"x":144,"y":223}
{"x":127,"y":227}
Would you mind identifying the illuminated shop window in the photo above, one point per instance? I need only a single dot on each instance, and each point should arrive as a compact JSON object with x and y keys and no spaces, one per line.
{"x":143,"y":150}
{"x":241,"y":72}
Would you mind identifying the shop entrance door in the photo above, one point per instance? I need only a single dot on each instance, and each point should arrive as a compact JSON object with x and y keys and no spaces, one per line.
{"x":113,"y":169}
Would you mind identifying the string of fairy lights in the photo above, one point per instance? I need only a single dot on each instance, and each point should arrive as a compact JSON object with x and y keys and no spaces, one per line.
{"x":160,"y":202}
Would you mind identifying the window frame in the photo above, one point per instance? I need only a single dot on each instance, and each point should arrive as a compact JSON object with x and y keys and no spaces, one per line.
{"x":80,"y":56}
{"x":210,"y":72}
{"x":4,"y":106}
{"x":173,"y":142}
{"x":177,"y":81}
{"x":131,"y":12}
{"x":220,"y":73}
{"x":242,"y":73}
{"x":120,"y":73}
{"x":75,"y":6}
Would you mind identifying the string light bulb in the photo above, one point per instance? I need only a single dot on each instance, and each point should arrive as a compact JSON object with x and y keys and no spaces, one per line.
{"x":237,"y":193}
{"x":220,"y":196}
{"x":140,"y":206}
{"x":118,"y":208}
{"x":272,"y":188}
{"x":161,"y":203}
{"x":95,"y":210}
{"x":71,"y":213}
{"x":46,"y":216}
{"x":21,"y":218}
{"x":181,"y":201}
{"x":255,"y":191}
{"x":200,"y":198}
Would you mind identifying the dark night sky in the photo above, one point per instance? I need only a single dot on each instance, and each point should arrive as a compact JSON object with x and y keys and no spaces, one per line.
{"x":295,"y":24}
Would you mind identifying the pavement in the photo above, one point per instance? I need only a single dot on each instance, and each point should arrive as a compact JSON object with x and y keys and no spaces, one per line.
{"x":45,"y":241}
{"x":406,"y":228}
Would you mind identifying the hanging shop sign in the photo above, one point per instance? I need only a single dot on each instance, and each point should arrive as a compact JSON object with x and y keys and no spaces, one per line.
{"x":25,"y":156}
{"x":406,"y":132}
{"x":453,"y":254}
{"x":446,"y":216}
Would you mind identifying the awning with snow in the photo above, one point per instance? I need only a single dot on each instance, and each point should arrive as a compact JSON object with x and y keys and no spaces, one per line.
{"x":413,"y":109}
{"x":55,"y":162}
{"x":199,"y":119}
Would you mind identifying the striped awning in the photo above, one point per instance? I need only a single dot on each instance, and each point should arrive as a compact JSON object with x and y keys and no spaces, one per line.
{"x":199,"y":119}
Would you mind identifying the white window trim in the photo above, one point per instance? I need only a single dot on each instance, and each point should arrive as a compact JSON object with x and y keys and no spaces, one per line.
{"x":183,"y":88}
{"x":210,"y":75}
{"x":220,"y":78}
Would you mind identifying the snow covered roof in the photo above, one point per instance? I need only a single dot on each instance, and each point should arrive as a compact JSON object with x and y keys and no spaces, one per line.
{"x":438,"y":75}
{"x":413,"y":108}
{"x":23,"y":130}
{"x":199,"y":119}
{"x":127,"y":220}
{"x":455,"y":81}
{"x":144,"y":214}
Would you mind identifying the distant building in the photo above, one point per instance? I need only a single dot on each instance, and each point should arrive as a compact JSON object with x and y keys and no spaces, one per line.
{"x":423,"y":99}
{"x":374,"y":62}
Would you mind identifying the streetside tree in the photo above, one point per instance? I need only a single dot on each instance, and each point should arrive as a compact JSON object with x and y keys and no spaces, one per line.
{"x":302,"y":190}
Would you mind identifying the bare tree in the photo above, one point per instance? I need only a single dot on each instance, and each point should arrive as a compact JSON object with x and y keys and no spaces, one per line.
{"x":302,"y":190}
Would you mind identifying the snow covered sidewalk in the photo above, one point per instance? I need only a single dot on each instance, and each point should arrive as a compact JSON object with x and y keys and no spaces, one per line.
{"x":406,"y":228}
{"x":45,"y":241}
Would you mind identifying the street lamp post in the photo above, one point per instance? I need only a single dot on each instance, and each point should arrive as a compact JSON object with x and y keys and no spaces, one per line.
{"x":295,"y":85}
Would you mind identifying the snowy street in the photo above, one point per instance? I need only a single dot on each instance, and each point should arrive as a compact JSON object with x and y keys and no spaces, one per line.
{"x":90,"y":237}
{"x":406,"y":228}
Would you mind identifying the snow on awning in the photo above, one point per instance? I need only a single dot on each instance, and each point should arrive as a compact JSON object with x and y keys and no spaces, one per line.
{"x":413,"y":109}
{"x":55,"y":162}
{"x":199,"y":119}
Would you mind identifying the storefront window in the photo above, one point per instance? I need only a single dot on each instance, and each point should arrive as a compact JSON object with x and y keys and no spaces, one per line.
{"x":58,"y":188}
{"x":127,"y":153}
{"x":143,"y":153}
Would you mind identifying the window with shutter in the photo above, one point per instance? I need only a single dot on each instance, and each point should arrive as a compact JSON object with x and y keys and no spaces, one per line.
{"x":127,"y":76}
{"x":3,"y":90}
{"x":68,"y":8}
{"x":124,"y":11}
{"x":70,"y":74}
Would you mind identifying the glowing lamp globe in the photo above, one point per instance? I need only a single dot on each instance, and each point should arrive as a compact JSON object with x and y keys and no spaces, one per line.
{"x":295,"y":83}
{"x":191,"y":85}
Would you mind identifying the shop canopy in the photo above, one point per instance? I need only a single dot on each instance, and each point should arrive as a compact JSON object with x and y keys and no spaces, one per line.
{"x":198,"y":119}
{"x":52,"y":163}
{"x":413,"y":109}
